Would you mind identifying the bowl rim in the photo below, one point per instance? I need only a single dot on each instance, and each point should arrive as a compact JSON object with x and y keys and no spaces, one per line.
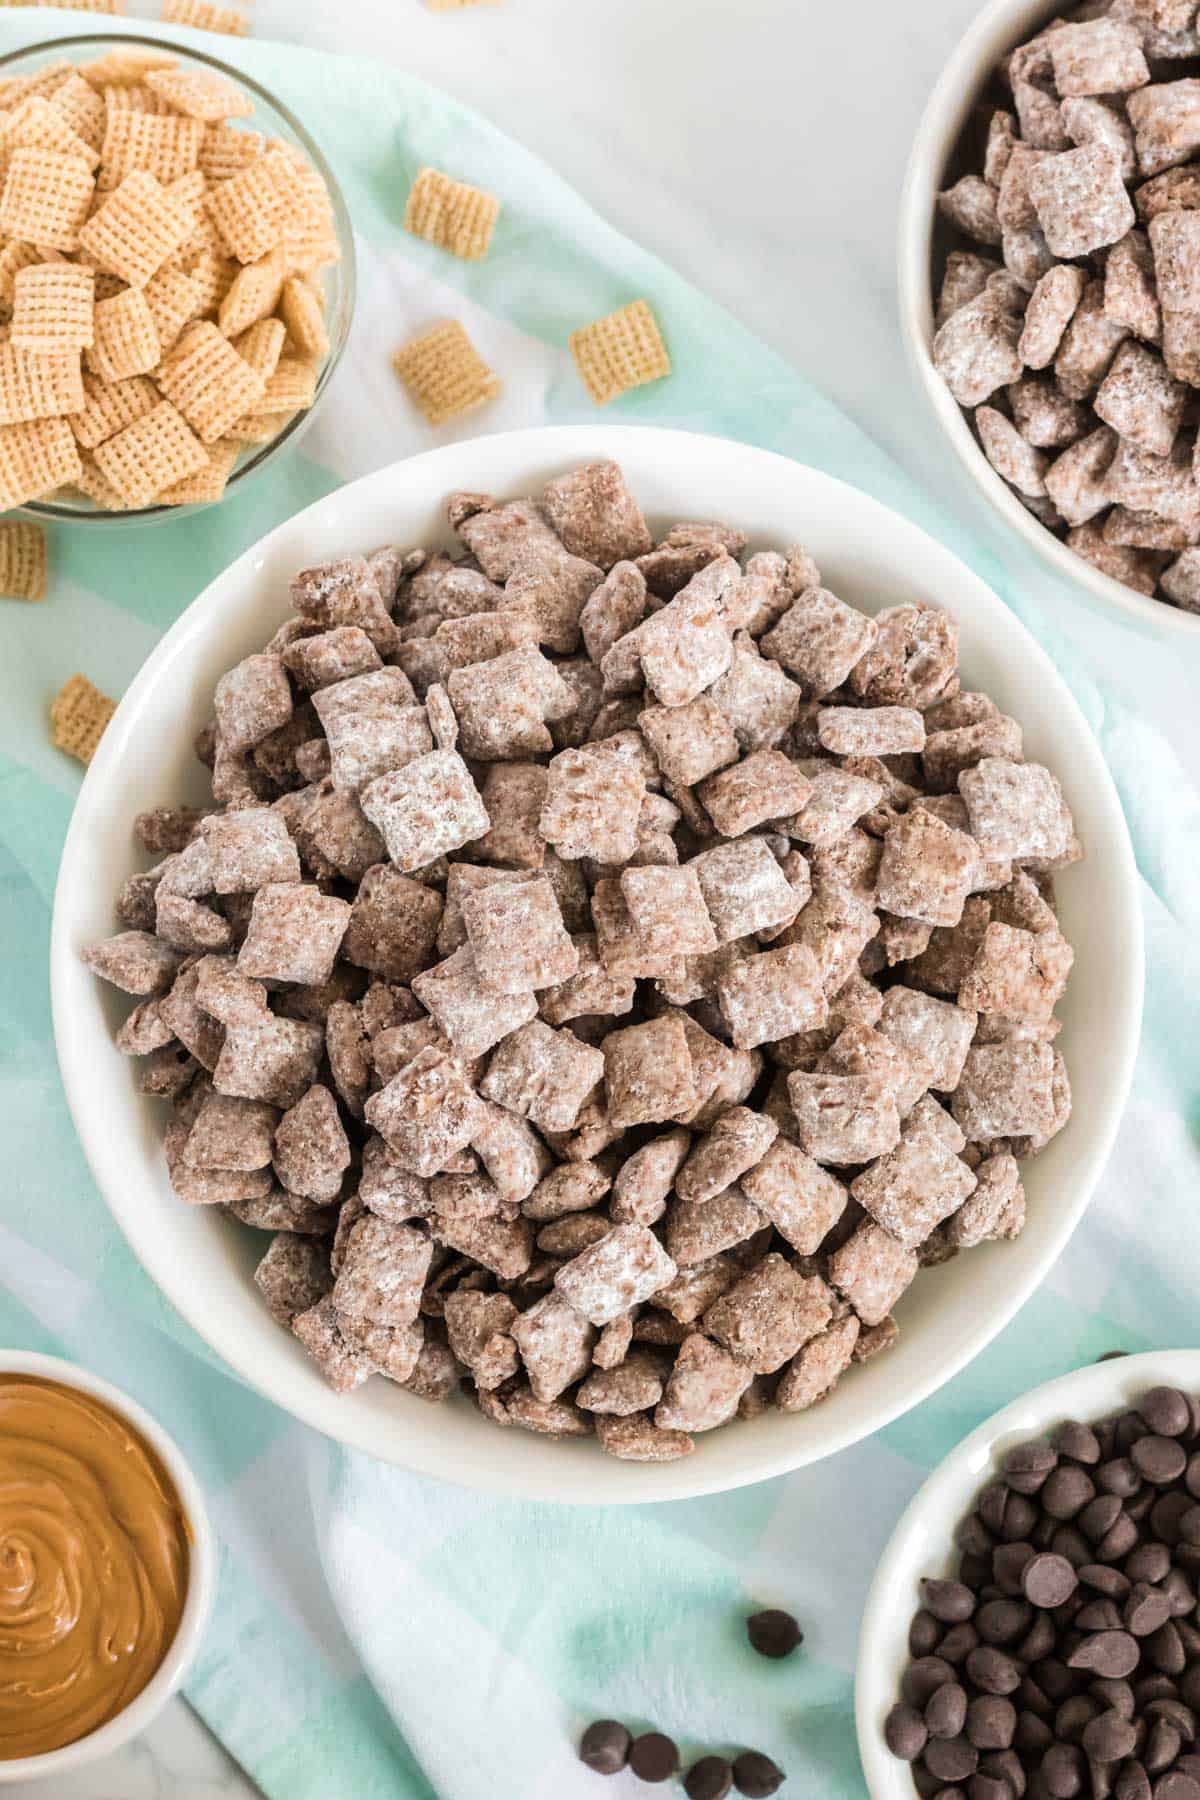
{"x":559,"y":445}
{"x":997,"y":27}
{"x":202,"y":1564}
{"x":299,"y":423}
{"x":945,"y":1494}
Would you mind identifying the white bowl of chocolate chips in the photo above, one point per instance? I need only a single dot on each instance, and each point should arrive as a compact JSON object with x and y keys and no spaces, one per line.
{"x":571,"y":1166}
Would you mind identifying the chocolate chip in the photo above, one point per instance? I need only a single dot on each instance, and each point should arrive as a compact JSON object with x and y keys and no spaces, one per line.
{"x":1049,"y":1580}
{"x":1149,"y":1562}
{"x":1114,"y":1584}
{"x":958,"y":1643}
{"x":653,"y":1756}
{"x":1176,"y":1786}
{"x":604,"y":1747}
{"x":924,"y":1634}
{"x":923,"y":1678}
{"x":946,"y":1711}
{"x":1118,"y":1476}
{"x":709,"y":1779}
{"x":1146,"y":1609}
{"x":1003,"y":1621}
{"x":991,"y":1722}
{"x":776,"y":1634}
{"x":989,"y":1787}
{"x":951,"y":1759}
{"x":950,"y":1601}
{"x":1159,"y":1459}
{"x":1063,"y":1771}
{"x":1067,"y":1491}
{"x":1009,"y":1563}
{"x":1111,"y":1355}
{"x":1166,"y":1411}
{"x":1077,"y":1442}
{"x":1026,"y":1466}
{"x":1107,"y":1652}
{"x":1162,"y":1747}
{"x":905,"y":1732}
{"x":993,"y":1671}
{"x":756,"y":1776}
{"x":1132,"y":1783}
{"x":1109,"y":1738}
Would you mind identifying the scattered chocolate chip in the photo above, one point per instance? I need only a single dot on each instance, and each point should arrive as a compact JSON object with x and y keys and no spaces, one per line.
{"x":774,"y":1632}
{"x":604,"y":1747}
{"x":653,"y":1756}
{"x":756,"y":1776}
{"x":709,"y":1779}
{"x":1111,"y":1355}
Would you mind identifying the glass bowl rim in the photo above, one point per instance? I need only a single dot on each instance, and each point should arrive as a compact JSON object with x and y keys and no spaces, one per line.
{"x":99,"y":40}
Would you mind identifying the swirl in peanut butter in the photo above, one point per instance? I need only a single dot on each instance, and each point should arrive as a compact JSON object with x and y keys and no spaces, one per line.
{"x":93,"y":1565}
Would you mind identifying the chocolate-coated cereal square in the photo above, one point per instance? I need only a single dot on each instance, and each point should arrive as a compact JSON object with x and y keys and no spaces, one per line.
{"x":769,"y":996}
{"x":927,"y":869}
{"x":648,"y":1073}
{"x":593,"y":802}
{"x":295,"y":933}
{"x":620,"y":1271}
{"x":516,"y":934}
{"x":765,"y":1318}
{"x":544,"y":1075}
{"x":802,"y":1200}
{"x":248,"y":849}
{"x":426,"y":1113}
{"x":703,"y":1388}
{"x":843,"y":1119}
{"x":426,"y":809}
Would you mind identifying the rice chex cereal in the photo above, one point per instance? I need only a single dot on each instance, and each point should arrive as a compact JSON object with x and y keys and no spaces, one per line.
{"x":622,"y":351}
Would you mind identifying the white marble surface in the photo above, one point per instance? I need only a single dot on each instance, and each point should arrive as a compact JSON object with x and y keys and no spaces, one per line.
{"x":759,"y":147}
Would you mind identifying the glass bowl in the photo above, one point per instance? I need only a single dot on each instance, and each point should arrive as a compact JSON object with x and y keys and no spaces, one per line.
{"x":273,"y":119}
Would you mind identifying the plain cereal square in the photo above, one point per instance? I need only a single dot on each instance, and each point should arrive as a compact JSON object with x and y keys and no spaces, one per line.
{"x":648,"y":1073}
{"x":516,"y":932}
{"x":248,"y":849}
{"x":765,"y":1318}
{"x":764,"y":785}
{"x":593,"y":802}
{"x":927,"y":869}
{"x":426,"y":809}
{"x":543,"y":1074}
{"x":668,"y":911}
{"x":744,"y":889}
{"x":619,"y":1272}
{"x":394,"y":923}
{"x":426,"y":1113}
{"x":295,"y":934}
{"x":802,"y":1200}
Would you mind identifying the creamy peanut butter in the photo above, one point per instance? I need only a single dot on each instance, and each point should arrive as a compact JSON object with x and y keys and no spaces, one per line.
{"x":93,"y":1564}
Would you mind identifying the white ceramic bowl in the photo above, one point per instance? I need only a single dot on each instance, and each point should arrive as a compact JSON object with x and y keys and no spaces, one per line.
{"x":873,"y":558}
{"x":1000,"y":25}
{"x":922,"y":1542}
{"x":202,"y":1576}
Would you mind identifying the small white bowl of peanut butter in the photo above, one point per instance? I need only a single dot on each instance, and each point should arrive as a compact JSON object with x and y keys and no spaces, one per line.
{"x":107,"y":1567}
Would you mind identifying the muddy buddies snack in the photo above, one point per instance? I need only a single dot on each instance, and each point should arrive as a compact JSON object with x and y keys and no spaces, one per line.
{"x":161,"y":289}
{"x":1068,"y":318}
{"x":606,"y":971}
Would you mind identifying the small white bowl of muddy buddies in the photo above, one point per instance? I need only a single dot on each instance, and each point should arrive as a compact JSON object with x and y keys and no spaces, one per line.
{"x":1048,"y":288}
{"x":648,"y":960}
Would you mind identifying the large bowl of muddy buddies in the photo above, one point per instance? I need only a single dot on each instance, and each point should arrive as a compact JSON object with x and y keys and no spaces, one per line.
{"x":1047,"y":286}
{"x":610,"y":931}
